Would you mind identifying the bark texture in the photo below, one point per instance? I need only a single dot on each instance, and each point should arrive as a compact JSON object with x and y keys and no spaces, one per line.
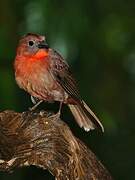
{"x":38,"y":138}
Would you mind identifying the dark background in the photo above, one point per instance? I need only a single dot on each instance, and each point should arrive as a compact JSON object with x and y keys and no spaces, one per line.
{"x":97,"y":39}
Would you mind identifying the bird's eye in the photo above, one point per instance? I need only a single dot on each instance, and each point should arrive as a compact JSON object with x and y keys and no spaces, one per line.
{"x":31,"y":43}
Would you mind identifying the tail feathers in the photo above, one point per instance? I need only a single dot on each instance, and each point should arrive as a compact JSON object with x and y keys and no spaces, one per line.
{"x":85,"y":117}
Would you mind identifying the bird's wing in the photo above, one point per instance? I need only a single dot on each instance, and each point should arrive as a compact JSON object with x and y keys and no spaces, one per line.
{"x":63,"y":75}
{"x":82,"y":113}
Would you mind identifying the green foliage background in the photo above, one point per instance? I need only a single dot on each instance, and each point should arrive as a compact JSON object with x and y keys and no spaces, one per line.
{"x":97,"y":39}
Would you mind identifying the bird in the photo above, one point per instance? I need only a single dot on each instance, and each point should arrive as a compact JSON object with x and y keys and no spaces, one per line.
{"x":46,"y":76}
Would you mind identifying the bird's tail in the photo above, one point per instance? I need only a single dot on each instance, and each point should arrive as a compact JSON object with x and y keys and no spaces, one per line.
{"x":85,"y":117}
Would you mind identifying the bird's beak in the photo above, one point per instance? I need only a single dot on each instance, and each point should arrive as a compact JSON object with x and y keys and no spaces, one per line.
{"x":43,"y":45}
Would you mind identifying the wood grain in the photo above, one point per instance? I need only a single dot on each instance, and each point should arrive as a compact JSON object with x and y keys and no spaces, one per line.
{"x":38,"y":138}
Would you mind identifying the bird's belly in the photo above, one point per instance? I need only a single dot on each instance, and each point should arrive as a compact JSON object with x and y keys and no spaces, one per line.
{"x":42,"y":86}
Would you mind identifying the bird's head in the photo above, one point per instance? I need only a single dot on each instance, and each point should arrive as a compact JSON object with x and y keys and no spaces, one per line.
{"x":33,"y":46}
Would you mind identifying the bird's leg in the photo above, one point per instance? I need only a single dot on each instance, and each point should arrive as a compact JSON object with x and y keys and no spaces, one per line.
{"x":59,"y":111}
{"x":34,"y":100}
{"x":57,"y":115}
{"x":36,"y":105}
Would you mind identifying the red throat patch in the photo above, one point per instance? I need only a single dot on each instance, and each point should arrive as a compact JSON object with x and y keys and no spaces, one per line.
{"x":41,"y":54}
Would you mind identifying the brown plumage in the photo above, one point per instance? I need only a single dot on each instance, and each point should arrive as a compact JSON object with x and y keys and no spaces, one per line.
{"x":43,"y":73}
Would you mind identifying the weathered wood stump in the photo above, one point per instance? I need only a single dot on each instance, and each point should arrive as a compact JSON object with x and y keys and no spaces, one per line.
{"x":38,"y":138}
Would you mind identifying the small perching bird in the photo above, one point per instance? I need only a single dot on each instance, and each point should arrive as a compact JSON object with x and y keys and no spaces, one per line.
{"x":44,"y":74}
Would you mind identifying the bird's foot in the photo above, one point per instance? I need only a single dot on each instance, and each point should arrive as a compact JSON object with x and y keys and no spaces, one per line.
{"x":56,"y":116}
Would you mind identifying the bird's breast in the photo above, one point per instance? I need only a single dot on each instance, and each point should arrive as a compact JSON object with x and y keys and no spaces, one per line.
{"x":35,"y":78}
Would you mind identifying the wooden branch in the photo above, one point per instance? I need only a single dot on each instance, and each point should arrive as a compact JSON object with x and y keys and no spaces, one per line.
{"x":38,"y":138}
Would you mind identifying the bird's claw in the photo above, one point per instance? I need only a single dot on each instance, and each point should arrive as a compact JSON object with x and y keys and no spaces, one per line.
{"x":56,"y":116}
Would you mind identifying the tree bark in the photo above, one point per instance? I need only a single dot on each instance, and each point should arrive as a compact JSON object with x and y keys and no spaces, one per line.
{"x":41,"y":139}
